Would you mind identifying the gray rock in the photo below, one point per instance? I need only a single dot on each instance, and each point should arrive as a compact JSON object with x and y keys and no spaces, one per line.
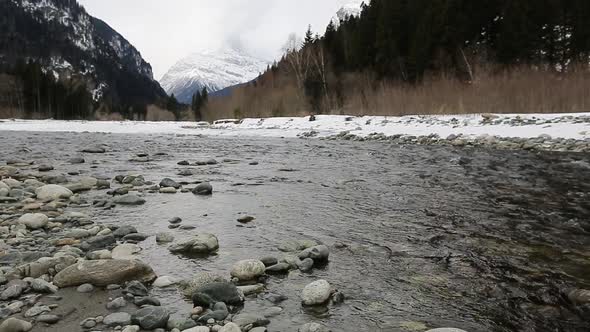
{"x":100,"y":242}
{"x":94,"y":149}
{"x":104,"y":272}
{"x":246,"y":219}
{"x":48,"y":319}
{"x":272,"y":312}
{"x":77,"y":160}
{"x":249,"y":269}
{"x":199,"y":244}
{"x":117,"y":303}
{"x":230,"y":327}
{"x":278,"y":268}
{"x":150,"y":318}
{"x":12,"y":292}
{"x":85,"y":288}
{"x":42,"y":286}
{"x":175,"y":220}
{"x":129,"y":199}
{"x":124,"y":231}
{"x":305,"y":265}
{"x":135,"y":237}
{"x":33,"y":221}
{"x":201,"y":279}
{"x":37,"y":310}
{"x":446,"y":329}
{"x":169,"y":183}
{"x":164,"y":238}
{"x":136,"y":288}
{"x":316,"y":293}
{"x":269,"y":261}
{"x":209,"y":294}
{"x":147,"y":300}
{"x":258,"y":329}
{"x":15,"y":325}
{"x":313,"y":327}
{"x":243,"y":320}
{"x":317,"y":253}
{"x":579,"y":296}
{"x":53,"y":192}
{"x":117,"y":319}
{"x":219,"y":313}
{"x":203,"y":189}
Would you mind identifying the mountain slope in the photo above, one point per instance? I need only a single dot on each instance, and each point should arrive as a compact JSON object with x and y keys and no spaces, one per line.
{"x":72,"y":45}
{"x":214,"y":70}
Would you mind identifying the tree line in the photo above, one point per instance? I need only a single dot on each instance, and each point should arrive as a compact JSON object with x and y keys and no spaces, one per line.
{"x":37,"y":92}
{"x":405,"y":41}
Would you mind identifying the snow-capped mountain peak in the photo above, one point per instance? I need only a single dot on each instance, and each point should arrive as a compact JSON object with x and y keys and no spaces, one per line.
{"x":211,"y":69}
{"x":353,"y":8}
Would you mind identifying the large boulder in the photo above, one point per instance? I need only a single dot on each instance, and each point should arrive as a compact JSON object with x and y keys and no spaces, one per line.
{"x":316,"y":293}
{"x":53,"y":192}
{"x":104,"y":272}
{"x":151,"y":318}
{"x":199,"y":244}
{"x":15,"y":325}
{"x":249,"y":269}
{"x":207,"y":295}
{"x":33,"y":220}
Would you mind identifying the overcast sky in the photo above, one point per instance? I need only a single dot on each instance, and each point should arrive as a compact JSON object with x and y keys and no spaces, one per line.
{"x":165,"y":31}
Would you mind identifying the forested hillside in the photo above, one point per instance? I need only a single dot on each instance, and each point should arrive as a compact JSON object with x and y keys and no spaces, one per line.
{"x":58,"y":61}
{"x":430,"y":56}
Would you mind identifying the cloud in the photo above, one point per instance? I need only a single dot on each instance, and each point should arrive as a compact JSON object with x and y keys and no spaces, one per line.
{"x":166,"y":31}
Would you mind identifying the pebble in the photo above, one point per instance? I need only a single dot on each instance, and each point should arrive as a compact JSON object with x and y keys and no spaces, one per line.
{"x":248,"y":269}
{"x":117,"y":318}
{"x":48,"y":319}
{"x":85,"y":288}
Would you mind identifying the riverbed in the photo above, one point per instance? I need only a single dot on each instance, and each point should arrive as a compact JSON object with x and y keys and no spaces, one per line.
{"x":420,"y":236}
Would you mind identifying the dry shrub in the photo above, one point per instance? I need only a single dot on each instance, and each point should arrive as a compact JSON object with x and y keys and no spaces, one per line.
{"x":104,"y":116}
{"x":155,"y":113}
{"x":519,"y":90}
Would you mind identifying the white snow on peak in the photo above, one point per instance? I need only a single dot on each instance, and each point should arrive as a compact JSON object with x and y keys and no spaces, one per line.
{"x":352,"y":8}
{"x":214,"y":70}
{"x":80,"y":24}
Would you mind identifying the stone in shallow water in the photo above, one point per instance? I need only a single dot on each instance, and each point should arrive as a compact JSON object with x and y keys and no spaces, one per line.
{"x":313,"y":327}
{"x":104,"y":272}
{"x":248,"y":269}
{"x":169,"y":183}
{"x":199,"y":244}
{"x":129,"y":199}
{"x":209,"y":294}
{"x":316,"y":293}
{"x":164,"y":238}
{"x":203,"y":189}
{"x":48,"y":319}
{"x":150,"y":318}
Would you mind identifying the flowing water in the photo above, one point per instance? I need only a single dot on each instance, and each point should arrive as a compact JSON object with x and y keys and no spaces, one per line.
{"x":420,"y":236}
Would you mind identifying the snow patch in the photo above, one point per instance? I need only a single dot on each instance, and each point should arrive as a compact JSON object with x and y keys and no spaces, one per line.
{"x":574,"y":126}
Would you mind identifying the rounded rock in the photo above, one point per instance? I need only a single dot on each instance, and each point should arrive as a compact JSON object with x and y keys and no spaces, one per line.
{"x":316,"y":293}
{"x":248,"y":269}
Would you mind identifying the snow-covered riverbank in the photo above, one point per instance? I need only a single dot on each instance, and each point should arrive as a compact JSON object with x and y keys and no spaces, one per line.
{"x":567,"y":126}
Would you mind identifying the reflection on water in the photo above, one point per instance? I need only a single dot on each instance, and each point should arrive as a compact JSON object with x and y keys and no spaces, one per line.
{"x":420,"y":236}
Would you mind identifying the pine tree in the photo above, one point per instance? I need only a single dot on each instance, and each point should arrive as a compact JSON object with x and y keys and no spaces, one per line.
{"x":309,"y":39}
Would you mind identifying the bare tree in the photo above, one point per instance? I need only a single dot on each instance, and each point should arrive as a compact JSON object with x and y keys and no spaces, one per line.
{"x":297,"y":60}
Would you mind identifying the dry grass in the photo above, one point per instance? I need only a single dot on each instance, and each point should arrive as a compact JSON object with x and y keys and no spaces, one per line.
{"x":523,"y":90}
{"x":155,"y":113}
